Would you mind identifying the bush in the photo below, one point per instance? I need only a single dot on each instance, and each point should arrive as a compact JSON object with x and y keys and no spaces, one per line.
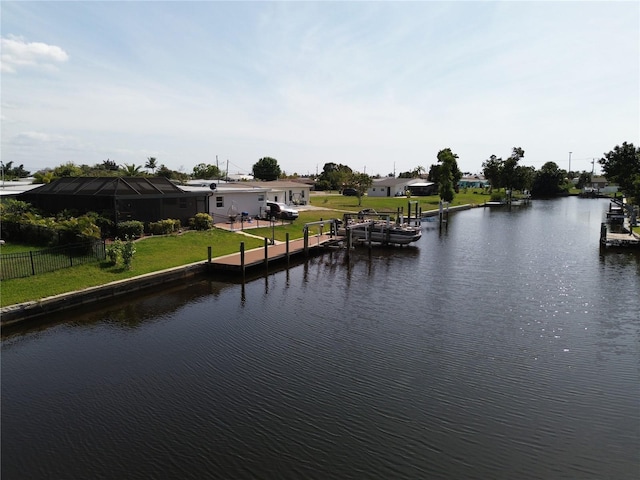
{"x":130,"y":229}
{"x":202,"y":221}
{"x":75,"y":230}
{"x":497,"y":196}
{"x":114,"y":251}
{"x":128,"y":251}
{"x":164,"y":227}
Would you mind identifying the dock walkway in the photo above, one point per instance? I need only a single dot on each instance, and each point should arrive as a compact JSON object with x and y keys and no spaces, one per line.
{"x":272,"y":253}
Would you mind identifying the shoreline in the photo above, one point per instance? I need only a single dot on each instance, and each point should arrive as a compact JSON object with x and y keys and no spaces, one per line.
{"x":15,"y":314}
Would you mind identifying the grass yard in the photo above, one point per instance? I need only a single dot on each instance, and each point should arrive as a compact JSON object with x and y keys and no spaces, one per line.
{"x":341,"y":202}
{"x":8,"y":248}
{"x":152,"y":254}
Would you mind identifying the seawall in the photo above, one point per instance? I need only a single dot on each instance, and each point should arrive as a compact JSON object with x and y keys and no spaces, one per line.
{"x":20,"y":312}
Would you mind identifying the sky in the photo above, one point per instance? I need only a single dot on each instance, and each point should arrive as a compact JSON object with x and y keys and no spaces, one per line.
{"x":379,"y":86}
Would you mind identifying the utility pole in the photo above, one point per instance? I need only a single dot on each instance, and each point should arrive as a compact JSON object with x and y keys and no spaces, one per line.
{"x":569,"y":172}
{"x":593,"y":165}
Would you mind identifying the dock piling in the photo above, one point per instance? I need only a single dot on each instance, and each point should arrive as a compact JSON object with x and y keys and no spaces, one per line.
{"x":287,"y":254}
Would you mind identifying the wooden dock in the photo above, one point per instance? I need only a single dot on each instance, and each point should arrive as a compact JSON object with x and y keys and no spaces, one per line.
{"x":618,"y":239}
{"x":281,"y":251}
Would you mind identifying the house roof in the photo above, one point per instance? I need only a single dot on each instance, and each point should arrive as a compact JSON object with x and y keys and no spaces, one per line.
{"x":277,"y":184}
{"x":392,"y":181}
{"x":422,"y":184}
{"x":134,"y":187}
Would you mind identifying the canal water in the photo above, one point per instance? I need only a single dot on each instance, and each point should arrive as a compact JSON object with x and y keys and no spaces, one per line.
{"x":502,"y":347}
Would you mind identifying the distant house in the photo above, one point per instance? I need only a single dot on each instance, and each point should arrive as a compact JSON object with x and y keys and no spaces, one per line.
{"x":599,"y":184}
{"x":12,"y":188}
{"x":423,"y":188}
{"x":147,"y":199}
{"x":392,"y":186}
{"x":476,"y":181}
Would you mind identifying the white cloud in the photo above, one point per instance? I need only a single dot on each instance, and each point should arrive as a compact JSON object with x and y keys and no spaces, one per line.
{"x":17,"y":53}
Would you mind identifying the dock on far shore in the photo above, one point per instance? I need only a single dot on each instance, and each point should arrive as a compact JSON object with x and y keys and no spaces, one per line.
{"x":627,"y":239}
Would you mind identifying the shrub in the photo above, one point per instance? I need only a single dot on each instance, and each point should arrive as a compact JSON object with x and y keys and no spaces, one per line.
{"x":497,"y":196}
{"x":164,"y":227}
{"x":128,"y":251}
{"x":114,"y":251}
{"x":75,"y":230}
{"x":202,"y":221}
{"x":130,"y":229}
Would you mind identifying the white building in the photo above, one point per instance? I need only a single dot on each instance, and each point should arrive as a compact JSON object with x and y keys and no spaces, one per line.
{"x":236,"y":198}
{"x":391,"y":186}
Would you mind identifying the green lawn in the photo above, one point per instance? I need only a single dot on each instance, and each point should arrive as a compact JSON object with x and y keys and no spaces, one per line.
{"x":8,"y":248}
{"x":152,"y":254}
{"x":341,"y":202}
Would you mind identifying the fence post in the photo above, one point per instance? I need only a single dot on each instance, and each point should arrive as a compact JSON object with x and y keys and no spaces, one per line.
{"x":33,"y":269}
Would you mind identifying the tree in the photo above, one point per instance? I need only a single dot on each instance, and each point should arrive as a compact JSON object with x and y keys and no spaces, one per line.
{"x":10,"y":172}
{"x":68,"y":169}
{"x":166,"y":172}
{"x":584,"y":179}
{"x":622,"y":166}
{"x":334,"y":176}
{"x":415,"y":173}
{"x":524,"y":178}
{"x":132,"y":170}
{"x":434,"y":173}
{"x":152,"y":164}
{"x":44,"y":176}
{"x":447,"y":173}
{"x":361,"y":182}
{"x":109,"y":165}
{"x":206,"y":171}
{"x":548,"y":181}
{"x":509,"y":174}
{"x":492,"y":171}
{"x":266,"y":168}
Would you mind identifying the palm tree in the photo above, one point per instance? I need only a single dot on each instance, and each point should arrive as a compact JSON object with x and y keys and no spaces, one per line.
{"x":152,"y":164}
{"x":132,"y":170}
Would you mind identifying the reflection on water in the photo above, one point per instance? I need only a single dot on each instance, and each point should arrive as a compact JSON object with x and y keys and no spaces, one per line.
{"x":504,"y":346}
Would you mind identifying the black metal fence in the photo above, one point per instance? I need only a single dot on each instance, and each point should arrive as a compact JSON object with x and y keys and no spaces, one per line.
{"x":25,"y":264}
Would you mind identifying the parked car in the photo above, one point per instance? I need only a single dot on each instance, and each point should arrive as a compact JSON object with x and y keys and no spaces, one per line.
{"x":350,"y":192}
{"x":281,"y":210}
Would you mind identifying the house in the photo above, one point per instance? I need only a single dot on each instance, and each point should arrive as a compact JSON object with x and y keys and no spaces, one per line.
{"x":476,"y":181}
{"x":234,"y":198}
{"x":291,"y":193}
{"x":397,"y":187}
{"x":231,"y":199}
{"x":146,"y":199}
{"x":599,"y":184}
{"x":12,"y":188}
{"x":391,"y":186}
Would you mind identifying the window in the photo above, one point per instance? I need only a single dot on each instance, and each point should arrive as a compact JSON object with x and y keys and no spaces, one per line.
{"x":261,"y":197}
{"x":290,"y":196}
{"x":219,"y":202}
{"x":183,"y":203}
